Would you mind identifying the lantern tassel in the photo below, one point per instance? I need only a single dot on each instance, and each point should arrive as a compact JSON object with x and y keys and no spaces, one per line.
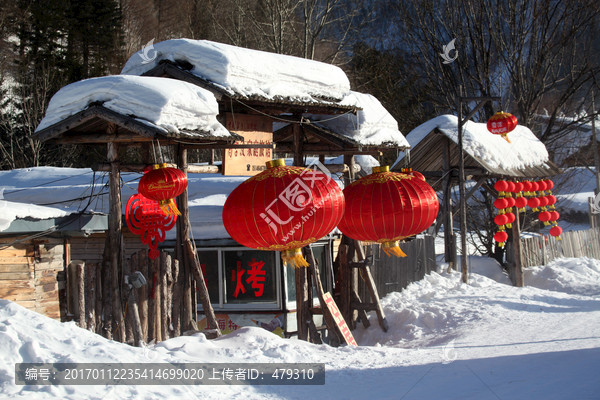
{"x":169,"y":207}
{"x":393,"y":248}
{"x":293,"y":258}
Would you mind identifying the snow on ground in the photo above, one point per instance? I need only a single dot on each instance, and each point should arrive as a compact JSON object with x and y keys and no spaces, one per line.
{"x":485,"y":340}
{"x":167,"y":103}
{"x":247,"y":72}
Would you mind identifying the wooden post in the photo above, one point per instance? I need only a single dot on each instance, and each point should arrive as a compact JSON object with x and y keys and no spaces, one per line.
{"x":298,"y":154}
{"x":372,"y":288}
{"x":151,"y":300}
{"x":302,"y":304}
{"x":517,"y":255}
{"x":80,"y":272}
{"x":115,"y":237}
{"x":189,"y":255}
{"x":209,"y":313}
{"x":99,"y":283}
{"x":142,"y":266}
{"x":335,"y":336}
{"x":176,"y":307}
{"x":90,"y":296}
{"x":344,"y":272}
{"x":165,"y":274}
{"x":449,"y":240}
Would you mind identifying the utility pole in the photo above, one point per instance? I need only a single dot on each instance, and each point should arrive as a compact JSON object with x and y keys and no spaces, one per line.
{"x":461,"y":175}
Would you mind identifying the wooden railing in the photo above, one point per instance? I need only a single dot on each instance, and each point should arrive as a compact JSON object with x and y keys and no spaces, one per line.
{"x":540,"y":250}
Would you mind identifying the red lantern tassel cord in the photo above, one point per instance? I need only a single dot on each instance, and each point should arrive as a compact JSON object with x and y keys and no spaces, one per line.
{"x":293,"y":258}
{"x":393,"y":249}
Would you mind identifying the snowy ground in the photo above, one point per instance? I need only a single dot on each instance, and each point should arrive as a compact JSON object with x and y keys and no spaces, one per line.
{"x":485,"y":340}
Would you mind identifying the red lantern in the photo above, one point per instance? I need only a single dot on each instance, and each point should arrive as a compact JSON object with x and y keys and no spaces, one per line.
{"x":534,"y":187}
{"x":554,"y":216}
{"x":520,"y":202}
{"x":144,"y":217}
{"x":501,"y":186}
{"x":501,"y":203}
{"x":510,"y":202}
{"x":551,"y":200}
{"x":386,"y":207}
{"x":502,"y":123}
{"x":283,"y":208}
{"x":501,"y":237}
{"x":549,"y":184}
{"x":556,"y":231}
{"x":501,"y":219}
{"x":510,"y":218}
{"x":518,"y":187}
{"x":533,"y":203}
{"x":543,"y":201}
{"x":511,"y":187}
{"x":544,"y":217}
{"x":162,"y":184}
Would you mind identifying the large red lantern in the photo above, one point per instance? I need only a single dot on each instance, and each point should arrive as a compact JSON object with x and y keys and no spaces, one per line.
{"x":386,"y":207}
{"x":162,"y":184}
{"x":284,"y":209}
{"x":502,"y":123}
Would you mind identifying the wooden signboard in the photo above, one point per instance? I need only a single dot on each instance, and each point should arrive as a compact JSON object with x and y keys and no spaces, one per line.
{"x":339,"y":320}
{"x":256,"y":129}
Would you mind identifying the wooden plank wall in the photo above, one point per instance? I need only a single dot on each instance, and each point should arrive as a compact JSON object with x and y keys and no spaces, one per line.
{"x":540,"y":250}
{"x":90,"y":249}
{"x":29,"y":273}
{"x":392,"y":274}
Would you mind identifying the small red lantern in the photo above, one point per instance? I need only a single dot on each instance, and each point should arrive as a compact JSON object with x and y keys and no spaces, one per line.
{"x":543,"y":201}
{"x":533,"y":203}
{"x":551,"y":200}
{"x":549,"y":184}
{"x":544,"y":217}
{"x":501,"y":203}
{"x":518,"y":187}
{"x":501,"y":237}
{"x":501,"y":186}
{"x":501,"y":219}
{"x":162,"y":184}
{"x":502,"y":123}
{"x":556,"y":231}
{"x":510,"y":202}
{"x":386,"y":207}
{"x":283,"y":208}
{"x":520,"y":203}
{"x":554,"y":216}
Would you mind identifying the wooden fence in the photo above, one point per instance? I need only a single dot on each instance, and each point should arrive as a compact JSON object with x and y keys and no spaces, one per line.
{"x":392,"y":274}
{"x":541,"y":250}
{"x":151,"y":311}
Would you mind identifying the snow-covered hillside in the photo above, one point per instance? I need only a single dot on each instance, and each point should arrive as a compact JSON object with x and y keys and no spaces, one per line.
{"x":447,"y":340}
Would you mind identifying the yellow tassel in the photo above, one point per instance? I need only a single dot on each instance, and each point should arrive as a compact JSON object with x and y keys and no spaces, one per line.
{"x":293,"y":258}
{"x":393,"y":248}
{"x":169,"y":207}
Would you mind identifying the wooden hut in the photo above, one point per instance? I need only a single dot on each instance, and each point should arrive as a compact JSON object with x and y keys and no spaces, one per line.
{"x":434,"y":153}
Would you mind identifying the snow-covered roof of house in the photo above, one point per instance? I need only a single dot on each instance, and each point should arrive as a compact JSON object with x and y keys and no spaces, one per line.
{"x":524,"y":155}
{"x":162,"y":106}
{"x":245,"y":73}
{"x":372,"y":125}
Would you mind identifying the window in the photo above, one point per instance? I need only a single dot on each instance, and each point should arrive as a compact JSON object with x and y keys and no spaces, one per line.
{"x":320,"y":251}
{"x":241,"y":278}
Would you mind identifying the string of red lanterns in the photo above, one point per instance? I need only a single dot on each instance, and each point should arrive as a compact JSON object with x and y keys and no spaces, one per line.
{"x":535,"y":194}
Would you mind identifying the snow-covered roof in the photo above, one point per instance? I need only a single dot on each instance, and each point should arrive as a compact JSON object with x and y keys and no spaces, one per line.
{"x":247,"y":73}
{"x":162,"y":103}
{"x":493,"y":152}
{"x":372,"y":125}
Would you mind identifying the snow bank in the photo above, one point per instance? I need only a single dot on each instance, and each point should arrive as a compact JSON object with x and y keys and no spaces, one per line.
{"x":568,"y":275}
{"x":372,"y":125}
{"x":167,"y":103}
{"x":525,"y":149}
{"x":246,"y":72}
{"x":446,"y":340}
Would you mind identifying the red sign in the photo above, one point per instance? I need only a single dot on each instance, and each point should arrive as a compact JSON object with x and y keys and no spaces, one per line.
{"x":256,"y":277}
{"x":339,"y":320}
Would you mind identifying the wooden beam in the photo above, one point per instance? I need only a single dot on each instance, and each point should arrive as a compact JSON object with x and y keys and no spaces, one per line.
{"x":192,"y":169}
{"x":115,"y":239}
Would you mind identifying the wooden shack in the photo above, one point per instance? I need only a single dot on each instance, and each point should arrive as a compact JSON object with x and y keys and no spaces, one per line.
{"x":434,"y":152}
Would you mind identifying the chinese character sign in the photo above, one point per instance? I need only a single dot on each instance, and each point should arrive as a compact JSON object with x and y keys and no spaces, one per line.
{"x":256,"y":130}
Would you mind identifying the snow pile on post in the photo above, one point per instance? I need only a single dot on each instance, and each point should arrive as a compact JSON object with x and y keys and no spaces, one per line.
{"x":525,"y":149}
{"x":372,"y":125}
{"x":167,"y":103}
{"x":245,"y":72}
